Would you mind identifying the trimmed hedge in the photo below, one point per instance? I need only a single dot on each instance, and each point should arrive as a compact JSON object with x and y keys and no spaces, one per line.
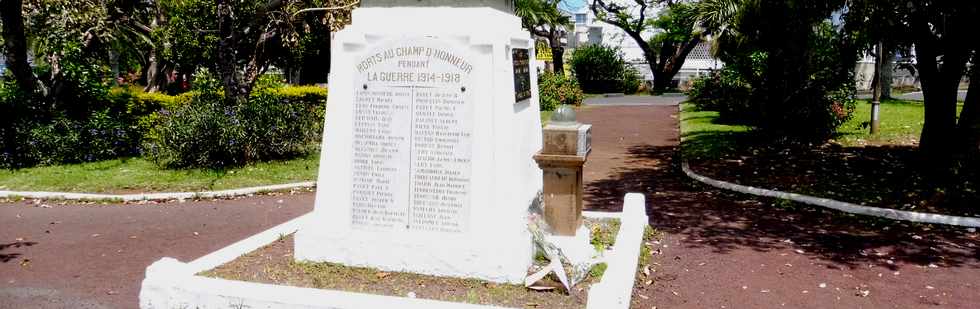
{"x":124,"y":123}
{"x":276,"y":122}
{"x":308,"y":95}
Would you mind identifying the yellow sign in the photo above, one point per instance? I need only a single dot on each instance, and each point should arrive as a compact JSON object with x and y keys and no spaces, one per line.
{"x":543,"y":51}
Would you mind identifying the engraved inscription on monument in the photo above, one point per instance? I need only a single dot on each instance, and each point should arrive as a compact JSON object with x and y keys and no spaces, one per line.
{"x":411,"y":138}
{"x":522,"y":74}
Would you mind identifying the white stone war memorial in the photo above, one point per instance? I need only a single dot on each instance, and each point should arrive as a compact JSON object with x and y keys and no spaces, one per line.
{"x":427,"y":154}
{"x":427,"y":166}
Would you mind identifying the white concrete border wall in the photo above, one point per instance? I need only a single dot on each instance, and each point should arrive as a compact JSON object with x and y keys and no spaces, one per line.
{"x":173,"y":284}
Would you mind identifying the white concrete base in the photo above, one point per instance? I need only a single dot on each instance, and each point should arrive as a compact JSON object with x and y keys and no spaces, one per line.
{"x":578,"y":249}
{"x":173,"y":284}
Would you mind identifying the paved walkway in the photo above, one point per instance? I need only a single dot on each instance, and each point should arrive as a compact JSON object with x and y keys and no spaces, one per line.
{"x":86,"y":256}
{"x":635,"y":100}
{"x":720,"y":250}
{"x":723,"y":250}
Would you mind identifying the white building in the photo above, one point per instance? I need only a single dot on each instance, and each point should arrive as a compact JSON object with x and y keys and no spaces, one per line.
{"x":902,"y":77}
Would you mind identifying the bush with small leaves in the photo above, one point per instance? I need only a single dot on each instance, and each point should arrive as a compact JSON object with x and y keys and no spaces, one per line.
{"x":276,"y":122}
{"x":601,"y":69}
{"x":556,"y":89}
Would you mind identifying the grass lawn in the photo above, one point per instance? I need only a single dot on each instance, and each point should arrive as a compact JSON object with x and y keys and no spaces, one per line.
{"x":136,"y":175}
{"x":703,"y":137}
{"x":901,"y":124}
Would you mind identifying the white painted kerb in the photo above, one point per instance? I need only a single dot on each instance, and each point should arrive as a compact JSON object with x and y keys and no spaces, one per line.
{"x":153,"y":196}
{"x":616,"y":287}
{"x":838,"y":205}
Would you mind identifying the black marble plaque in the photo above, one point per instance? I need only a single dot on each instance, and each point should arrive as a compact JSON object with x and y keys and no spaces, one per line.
{"x":522,"y":74}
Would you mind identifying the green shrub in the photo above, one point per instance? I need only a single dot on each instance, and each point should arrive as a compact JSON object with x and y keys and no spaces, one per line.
{"x":805,"y":99}
{"x":190,"y":129}
{"x":723,"y":91}
{"x":44,"y":130}
{"x":801,"y":87}
{"x":102,"y":135}
{"x":193,"y":135}
{"x":73,"y":121}
{"x":601,"y":69}
{"x":556,"y":89}
{"x":631,"y":80}
{"x":281,"y":126}
{"x":274,"y":123}
{"x":141,"y":109}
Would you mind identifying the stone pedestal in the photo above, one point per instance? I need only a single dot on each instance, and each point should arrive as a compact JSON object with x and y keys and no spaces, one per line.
{"x":566,"y":148}
{"x":562,"y":176}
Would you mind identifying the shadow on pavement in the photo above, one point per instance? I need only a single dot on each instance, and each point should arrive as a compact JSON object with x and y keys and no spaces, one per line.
{"x":7,"y":256}
{"x":705,"y":217}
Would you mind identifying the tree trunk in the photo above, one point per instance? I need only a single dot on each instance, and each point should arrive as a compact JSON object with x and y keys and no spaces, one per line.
{"x":557,"y":54}
{"x":315,"y":56}
{"x":155,"y":78}
{"x":969,"y":125}
{"x":227,"y":60}
{"x":661,"y":81}
{"x":672,"y":58}
{"x":887,"y":71}
{"x":156,"y":75}
{"x":939,"y":87}
{"x":114,"y":66}
{"x":15,"y":45}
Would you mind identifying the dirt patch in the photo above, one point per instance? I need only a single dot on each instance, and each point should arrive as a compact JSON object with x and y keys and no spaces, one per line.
{"x":274,"y":264}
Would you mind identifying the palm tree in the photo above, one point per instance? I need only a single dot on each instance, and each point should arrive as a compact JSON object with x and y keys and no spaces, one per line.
{"x":717,"y":19}
{"x":543,"y":19}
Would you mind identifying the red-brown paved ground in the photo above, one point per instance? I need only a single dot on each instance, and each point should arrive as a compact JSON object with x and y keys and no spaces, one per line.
{"x":95,"y":256}
{"x":715,"y":243}
{"x":733,"y":251}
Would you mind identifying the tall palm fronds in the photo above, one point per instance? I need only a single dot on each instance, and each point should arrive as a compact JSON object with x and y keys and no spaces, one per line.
{"x":717,"y":19}
{"x":537,"y":13}
{"x":543,"y":19}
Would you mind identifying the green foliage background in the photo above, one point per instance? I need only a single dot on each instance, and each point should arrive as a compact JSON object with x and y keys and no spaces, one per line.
{"x":557,"y":89}
{"x":601,"y":69}
{"x":276,"y":122}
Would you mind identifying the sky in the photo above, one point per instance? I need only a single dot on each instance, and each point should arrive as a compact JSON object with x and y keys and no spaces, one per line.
{"x":572,"y":5}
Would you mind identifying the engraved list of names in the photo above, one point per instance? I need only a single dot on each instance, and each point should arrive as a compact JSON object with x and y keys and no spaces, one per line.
{"x":412,"y":138}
